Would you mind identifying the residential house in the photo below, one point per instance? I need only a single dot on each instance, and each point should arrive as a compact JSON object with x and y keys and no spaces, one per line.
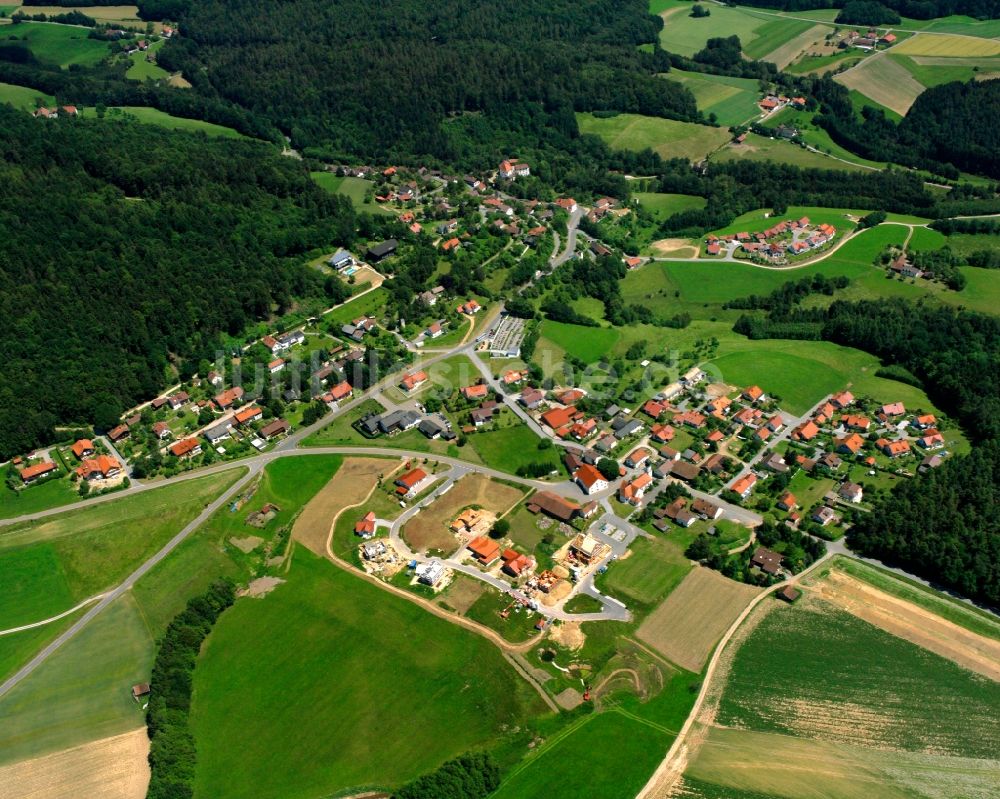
{"x":850,"y":445}
{"x":852,"y":492}
{"x":186,"y":448}
{"x":662,"y":433}
{"x":118,"y":433}
{"x":823,"y":515}
{"x":744,"y":485}
{"x":340,"y":260}
{"x":365,"y":526}
{"x":430,"y":573}
{"x":225,"y":400}
{"x":766,"y":560}
{"x":378,"y":252}
{"x":893,"y":449}
{"x":853,"y":422}
{"x":776,"y":463}
{"x":484,"y":549}
{"x":805,"y":431}
{"x":515,"y":563}
{"x":932,"y":439}
{"x":161,"y":430}
{"x":631,"y":428}
{"x":248,"y":415}
{"x":411,"y":381}
{"x":893,"y":409}
{"x":633,"y":491}
{"x":219,"y":432}
{"x":590,"y":479}
{"x":274,"y":429}
{"x":31,"y":473}
{"x":685,"y":471}
{"x":83,"y":448}
{"x":341,"y":391}
{"x":412,"y":483}
{"x":753,"y":394}
{"x":788,"y":502}
{"x":477,"y":392}
{"x":102,"y":467}
{"x":531,"y":398}
{"x":706,"y":509}
{"x":276,"y":365}
{"x":843,"y":399}
{"x":469,"y":307}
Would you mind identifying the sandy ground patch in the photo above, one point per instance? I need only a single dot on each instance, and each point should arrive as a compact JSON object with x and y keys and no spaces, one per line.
{"x":262,"y":586}
{"x":568,"y":634}
{"x":674,"y":248}
{"x":716,"y":390}
{"x":792,"y":49}
{"x":353,"y":481}
{"x":557,"y":593}
{"x":913,"y":623}
{"x":688,"y":623}
{"x":430,"y":529}
{"x":111,"y":768}
{"x":178,"y":81}
{"x":248,"y":544}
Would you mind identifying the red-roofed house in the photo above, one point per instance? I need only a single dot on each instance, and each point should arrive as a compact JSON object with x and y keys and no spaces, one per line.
{"x":653,"y":408}
{"x":31,"y":473}
{"x":99,"y":468}
{"x":638,"y":458}
{"x":83,"y":448}
{"x":843,"y":399}
{"x":745,"y":485}
{"x":850,"y":445}
{"x":247,"y":415}
{"x":186,"y":448}
{"x":226,"y":399}
{"x":632,"y":492}
{"x":753,"y":394}
{"x":484,"y":549}
{"x":590,"y":479}
{"x":560,"y":417}
{"x":341,"y":391}
{"x":413,"y":380}
{"x":893,"y":409}
{"x":365,"y":526}
{"x":662,"y":433}
{"x":805,"y":432}
{"x":476,"y":392}
{"x":409,"y":484}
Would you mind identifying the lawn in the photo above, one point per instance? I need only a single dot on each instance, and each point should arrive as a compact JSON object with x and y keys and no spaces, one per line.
{"x":60,"y":45}
{"x":22,"y":97}
{"x":511,"y":447}
{"x":686,"y":35}
{"x":142,"y":69}
{"x":17,"y":649}
{"x":662,"y":206}
{"x":732,"y":100}
{"x":355,"y":189}
{"x":81,"y":693}
{"x":50,"y":494}
{"x":652,"y":571}
{"x":369,"y":304}
{"x":54,"y":563}
{"x":308,"y":655}
{"x":153,"y":116}
{"x":589,"y":344}
{"x":909,"y":698}
{"x":667,"y":137}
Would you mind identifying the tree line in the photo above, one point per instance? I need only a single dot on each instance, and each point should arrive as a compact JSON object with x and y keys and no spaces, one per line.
{"x":171,"y":743}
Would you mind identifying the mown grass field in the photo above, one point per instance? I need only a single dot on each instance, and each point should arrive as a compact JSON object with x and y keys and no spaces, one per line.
{"x":48,"y":566}
{"x":759,"y":33}
{"x":732,"y":100}
{"x":369,"y":304}
{"x":323,"y":716}
{"x":511,"y":447}
{"x":23,"y":97}
{"x":667,"y":137}
{"x":652,"y":571}
{"x":120,"y":13}
{"x":142,"y":69}
{"x":50,"y":494}
{"x":663,"y":206}
{"x":61,"y":45}
{"x":781,"y":40}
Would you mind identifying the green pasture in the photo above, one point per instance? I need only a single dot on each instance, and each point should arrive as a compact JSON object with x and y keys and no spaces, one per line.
{"x":762,"y":148}
{"x":324,"y":717}
{"x":589,"y":344}
{"x":356,"y":189}
{"x":654,"y":569}
{"x":663,"y":206}
{"x":23,"y":97}
{"x":153,"y":116}
{"x":732,"y":100}
{"x":59,"y":45}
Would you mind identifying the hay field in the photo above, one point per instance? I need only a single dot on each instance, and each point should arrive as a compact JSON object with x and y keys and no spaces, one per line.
{"x":764,"y":764}
{"x":111,"y":768}
{"x":885,"y":81}
{"x":732,"y":100}
{"x":100,"y":13}
{"x":429,"y":529}
{"x":353,"y":481}
{"x":948,"y":45}
{"x":912,"y":623}
{"x":689,"y":623}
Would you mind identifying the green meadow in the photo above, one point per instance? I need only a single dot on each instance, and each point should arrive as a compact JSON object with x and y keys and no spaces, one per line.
{"x":153,"y":116}
{"x":732,"y":100}
{"x":663,"y":206}
{"x":296,"y":679}
{"x":356,"y":189}
{"x":23,"y":97}
{"x":59,"y":45}
{"x":589,"y":344}
{"x":667,"y":137}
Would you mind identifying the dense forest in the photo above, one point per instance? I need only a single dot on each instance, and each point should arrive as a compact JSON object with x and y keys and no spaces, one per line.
{"x":377,"y":80}
{"x":942,"y":525}
{"x":129,"y":250}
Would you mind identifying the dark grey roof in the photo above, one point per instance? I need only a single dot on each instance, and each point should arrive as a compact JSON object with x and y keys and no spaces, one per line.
{"x":632,"y":426}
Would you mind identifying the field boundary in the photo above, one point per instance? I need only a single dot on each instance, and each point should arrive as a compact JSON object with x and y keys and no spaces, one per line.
{"x":663,"y":779}
{"x":43,"y":622}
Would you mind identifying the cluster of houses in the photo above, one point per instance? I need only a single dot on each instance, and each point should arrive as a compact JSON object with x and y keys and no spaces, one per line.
{"x":53,"y":113}
{"x":770,"y":103}
{"x":790,"y":237}
{"x":869,"y":40}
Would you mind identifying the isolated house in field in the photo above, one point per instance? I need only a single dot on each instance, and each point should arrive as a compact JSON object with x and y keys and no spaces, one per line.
{"x":412,"y":483}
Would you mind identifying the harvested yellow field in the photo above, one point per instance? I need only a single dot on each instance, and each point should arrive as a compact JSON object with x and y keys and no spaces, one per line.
{"x":948,"y":45}
{"x":792,"y":49}
{"x":884,"y":81}
{"x":100,"y":13}
{"x":689,"y":622}
{"x":350,"y":486}
{"x":913,"y":623}
{"x":111,"y":768}
{"x":797,"y":768}
{"x":430,"y":529}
